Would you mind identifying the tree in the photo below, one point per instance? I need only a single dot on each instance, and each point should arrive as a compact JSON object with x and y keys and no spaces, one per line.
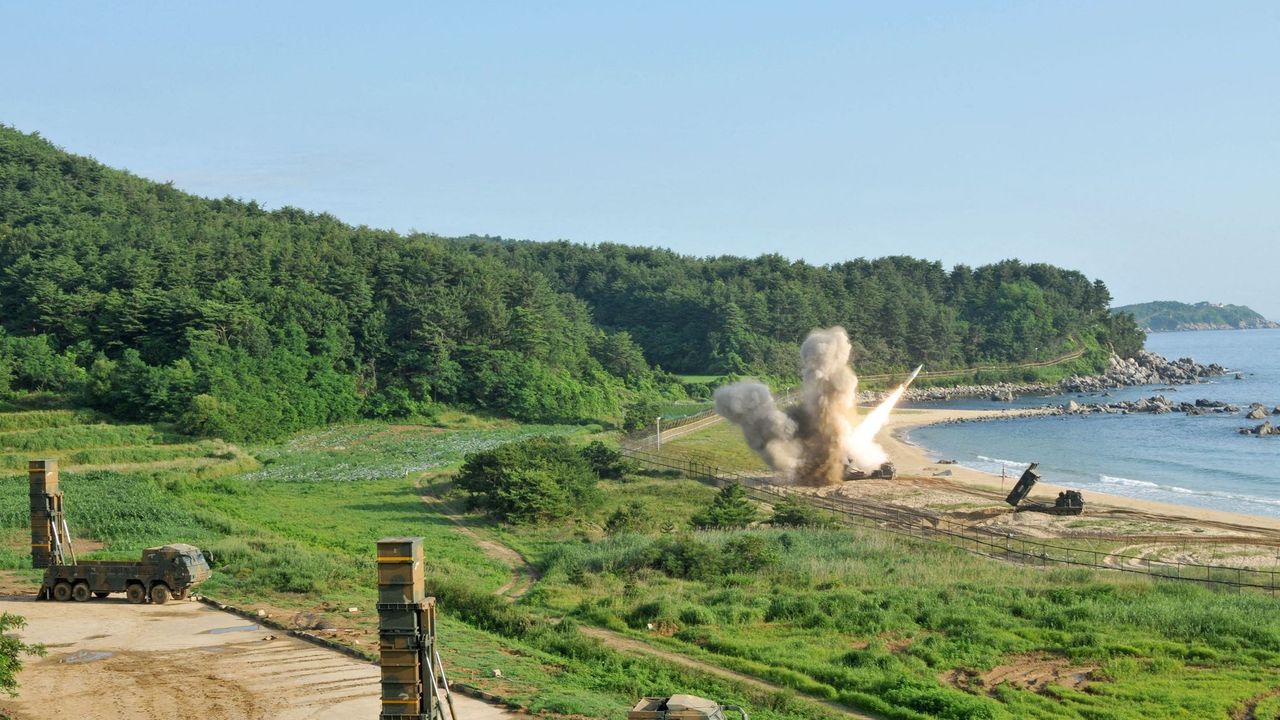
{"x":11,"y":651}
{"x":729,"y":509}
{"x":534,"y":480}
{"x":641,"y":414}
{"x":605,"y":462}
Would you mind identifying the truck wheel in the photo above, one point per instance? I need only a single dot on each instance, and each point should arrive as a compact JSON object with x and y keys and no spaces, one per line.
{"x":80,"y":592}
{"x":136,"y":593}
{"x":62,"y":591}
{"x":99,"y":594}
{"x":160,"y":594}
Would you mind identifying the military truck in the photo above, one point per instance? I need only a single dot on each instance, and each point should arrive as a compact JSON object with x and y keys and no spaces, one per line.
{"x":681,"y":707}
{"x":169,"y":571}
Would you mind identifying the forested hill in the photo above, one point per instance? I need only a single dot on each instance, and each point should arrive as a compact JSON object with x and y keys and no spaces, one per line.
{"x":151,"y":303}
{"x":1170,"y":315}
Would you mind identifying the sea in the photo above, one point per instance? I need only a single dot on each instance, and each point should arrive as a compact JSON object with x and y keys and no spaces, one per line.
{"x":1198,"y":461}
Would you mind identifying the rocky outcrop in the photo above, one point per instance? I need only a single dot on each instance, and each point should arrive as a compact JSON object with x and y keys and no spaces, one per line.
{"x":1157,"y":404}
{"x":1263,"y":430}
{"x":1256,"y":412}
{"x":1147,"y":368}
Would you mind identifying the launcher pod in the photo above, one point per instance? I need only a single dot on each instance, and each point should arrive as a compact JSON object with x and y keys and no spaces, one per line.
{"x":407,"y":635}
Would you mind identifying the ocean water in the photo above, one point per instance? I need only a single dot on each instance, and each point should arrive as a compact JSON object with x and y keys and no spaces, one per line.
{"x":1198,"y":461}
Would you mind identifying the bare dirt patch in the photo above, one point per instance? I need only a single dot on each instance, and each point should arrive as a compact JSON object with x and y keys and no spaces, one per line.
{"x":1026,"y":672}
{"x":108,"y":659}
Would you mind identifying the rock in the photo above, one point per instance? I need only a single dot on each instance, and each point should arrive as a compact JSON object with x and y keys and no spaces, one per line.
{"x":942,"y":473}
{"x":262,"y":613}
{"x":1239,"y":376}
{"x":1072,"y":407}
{"x":353,"y":609}
{"x":1260,"y":430}
{"x":1256,"y":414}
{"x":497,"y":673}
{"x":1276,"y":411}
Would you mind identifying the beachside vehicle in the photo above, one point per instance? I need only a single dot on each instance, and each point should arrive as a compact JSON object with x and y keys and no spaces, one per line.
{"x":886,"y":471}
{"x":1069,"y":502}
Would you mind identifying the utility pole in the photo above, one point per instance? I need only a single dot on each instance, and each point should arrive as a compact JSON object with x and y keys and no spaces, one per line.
{"x":658,"y":424}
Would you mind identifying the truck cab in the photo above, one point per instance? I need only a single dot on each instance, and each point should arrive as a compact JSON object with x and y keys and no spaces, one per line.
{"x":180,"y":565}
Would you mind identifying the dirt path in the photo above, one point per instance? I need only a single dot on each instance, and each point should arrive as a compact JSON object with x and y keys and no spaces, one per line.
{"x":524,"y":575}
{"x":109,"y":659}
{"x":632,"y":646}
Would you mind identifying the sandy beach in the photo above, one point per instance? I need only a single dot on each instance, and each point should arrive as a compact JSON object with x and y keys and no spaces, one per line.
{"x":920,"y":466}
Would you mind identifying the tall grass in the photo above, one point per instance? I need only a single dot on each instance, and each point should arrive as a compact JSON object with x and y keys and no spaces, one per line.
{"x":877,"y":622}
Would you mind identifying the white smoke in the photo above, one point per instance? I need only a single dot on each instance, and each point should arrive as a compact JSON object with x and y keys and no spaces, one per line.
{"x":814,"y":440}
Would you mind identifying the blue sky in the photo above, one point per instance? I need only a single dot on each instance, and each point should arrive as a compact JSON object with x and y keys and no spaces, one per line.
{"x":1138,"y":142}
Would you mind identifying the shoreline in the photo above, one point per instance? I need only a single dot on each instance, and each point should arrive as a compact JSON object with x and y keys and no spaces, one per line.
{"x":918,"y":461}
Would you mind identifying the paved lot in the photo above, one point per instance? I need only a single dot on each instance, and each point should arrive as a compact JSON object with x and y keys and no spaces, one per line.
{"x":109,"y":659}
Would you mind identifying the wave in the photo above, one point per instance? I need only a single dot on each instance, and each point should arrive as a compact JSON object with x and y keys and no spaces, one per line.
{"x":1217,"y":494}
{"x":999,"y":461}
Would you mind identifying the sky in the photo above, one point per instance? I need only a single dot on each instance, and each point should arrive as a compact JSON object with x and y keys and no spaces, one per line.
{"x":1138,"y":142}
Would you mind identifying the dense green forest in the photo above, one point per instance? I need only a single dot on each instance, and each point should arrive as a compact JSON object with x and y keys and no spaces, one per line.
{"x":231,"y":320}
{"x":1170,"y":315}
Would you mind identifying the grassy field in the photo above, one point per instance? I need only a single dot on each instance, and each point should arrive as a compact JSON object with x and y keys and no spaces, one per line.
{"x":903,"y":629}
{"x":719,"y":445}
{"x":290,"y":528}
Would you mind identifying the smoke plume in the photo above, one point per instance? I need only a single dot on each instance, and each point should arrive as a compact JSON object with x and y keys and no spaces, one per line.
{"x":815,"y":439}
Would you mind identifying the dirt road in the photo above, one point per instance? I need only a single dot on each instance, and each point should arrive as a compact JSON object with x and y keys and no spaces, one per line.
{"x":109,"y":659}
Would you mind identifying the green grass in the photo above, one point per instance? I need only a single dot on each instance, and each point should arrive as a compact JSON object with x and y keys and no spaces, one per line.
{"x":855,"y":616}
{"x":699,"y":379}
{"x":671,"y":411}
{"x":875,"y":622}
{"x":720,"y":445}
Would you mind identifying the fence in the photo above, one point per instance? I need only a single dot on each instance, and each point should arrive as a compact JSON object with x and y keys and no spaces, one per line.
{"x":971,"y":538}
{"x":978,"y":368}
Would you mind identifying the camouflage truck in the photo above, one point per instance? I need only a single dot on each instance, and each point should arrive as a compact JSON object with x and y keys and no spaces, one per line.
{"x":681,"y":707}
{"x":169,"y":571}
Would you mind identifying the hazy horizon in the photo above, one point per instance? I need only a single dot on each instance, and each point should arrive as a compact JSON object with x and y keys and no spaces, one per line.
{"x":1133,"y":143}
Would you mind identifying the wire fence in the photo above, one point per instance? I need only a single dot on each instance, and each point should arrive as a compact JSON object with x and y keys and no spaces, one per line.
{"x":972,"y":538}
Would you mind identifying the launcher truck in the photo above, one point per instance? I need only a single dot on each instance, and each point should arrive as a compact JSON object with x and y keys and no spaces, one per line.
{"x":169,"y":571}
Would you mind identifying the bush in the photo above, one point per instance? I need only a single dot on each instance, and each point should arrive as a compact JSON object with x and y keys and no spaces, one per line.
{"x":641,"y":414}
{"x":793,"y":512}
{"x":632,"y":518}
{"x":729,"y":509}
{"x":542,"y":478}
{"x":607,"y":463}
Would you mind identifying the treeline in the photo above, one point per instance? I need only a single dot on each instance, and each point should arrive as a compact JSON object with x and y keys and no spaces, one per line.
{"x":738,"y":315}
{"x":230,"y":320}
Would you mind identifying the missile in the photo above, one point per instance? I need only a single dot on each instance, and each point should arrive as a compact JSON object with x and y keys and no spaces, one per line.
{"x":914,"y":373}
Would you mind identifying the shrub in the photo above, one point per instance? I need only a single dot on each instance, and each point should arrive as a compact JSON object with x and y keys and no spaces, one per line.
{"x":607,"y":463}
{"x":729,"y":509}
{"x":542,"y":478}
{"x":641,"y":414}
{"x":793,"y":512}
{"x":631,"y":518}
